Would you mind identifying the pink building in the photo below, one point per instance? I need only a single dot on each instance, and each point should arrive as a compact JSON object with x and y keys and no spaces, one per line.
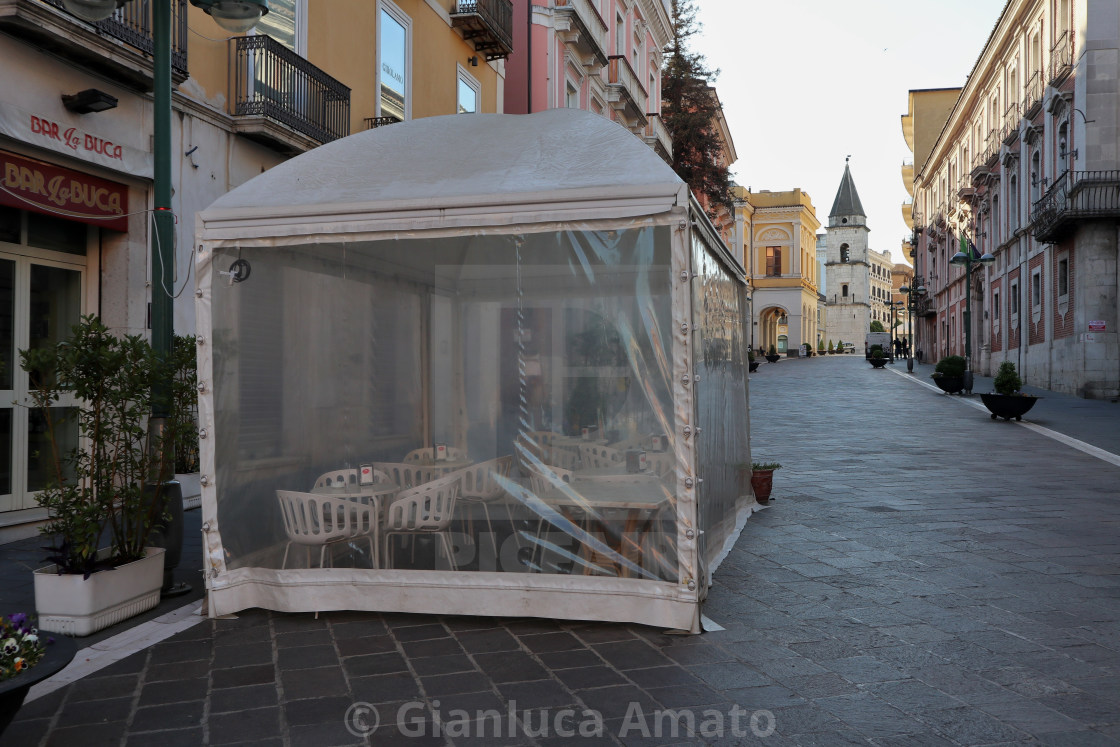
{"x":603,"y":56}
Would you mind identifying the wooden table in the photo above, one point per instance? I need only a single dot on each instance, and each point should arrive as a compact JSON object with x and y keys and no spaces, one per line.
{"x":366,"y":495}
{"x":638,"y":497}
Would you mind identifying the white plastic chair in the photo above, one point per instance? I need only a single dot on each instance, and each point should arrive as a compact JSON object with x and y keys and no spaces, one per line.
{"x":408,"y":475}
{"x":480,"y":487}
{"x":428,"y":456}
{"x":347,"y":477}
{"x":314,"y":520}
{"x":425,"y":509}
{"x":601,"y":457}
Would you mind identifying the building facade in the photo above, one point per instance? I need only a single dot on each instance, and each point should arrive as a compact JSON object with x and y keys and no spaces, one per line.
{"x":602,"y":56}
{"x":76,"y":160}
{"x":775,"y":234}
{"x":1027,"y":167}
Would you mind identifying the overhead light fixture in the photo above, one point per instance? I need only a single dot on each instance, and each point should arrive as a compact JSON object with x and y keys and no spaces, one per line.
{"x":92,"y":10}
{"x":236,"y":16}
{"x":89,"y":100}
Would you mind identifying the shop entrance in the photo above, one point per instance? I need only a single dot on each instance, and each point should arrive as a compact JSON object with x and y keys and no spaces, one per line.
{"x":43,"y":292}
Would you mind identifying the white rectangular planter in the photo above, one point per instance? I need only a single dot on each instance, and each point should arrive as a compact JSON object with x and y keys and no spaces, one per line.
{"x":77,"y":606}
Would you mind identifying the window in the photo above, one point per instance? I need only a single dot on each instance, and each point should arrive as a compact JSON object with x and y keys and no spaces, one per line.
{"x":995,"y":305}
{"x":393,"y":52}
{"x":844,"y":290}
{"x":283,"y":23}
{"x":844,"y":254}
{"x":469,"y":92}
{"x":1063,"y":277}
{"x":1013,"y":204}
{"x":571,"y":95}
{"x":995,"y":221}
{"x":1014,"y":299}
{"x":773,"y":260}
{"x":619,"y":35}
{"x":1036,"y":289}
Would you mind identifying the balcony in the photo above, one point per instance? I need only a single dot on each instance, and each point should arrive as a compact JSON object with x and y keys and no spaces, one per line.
{"x":373,"y":122}
{"x":487,"y":24}
{"x":991,"y":147}
{"x":120,"y":47}
{"x":657,"y":136}
{"x":587,"y":31}
{"x":1076,"y":196}
{"x":1010,"y":129}
{"x":625,"y":93}
{"x":282,"y":100}
{"x":1032,"y":100}
{"x":1061,"y":58}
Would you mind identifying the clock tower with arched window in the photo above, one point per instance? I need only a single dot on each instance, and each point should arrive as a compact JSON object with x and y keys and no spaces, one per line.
{"x":848,"y":267}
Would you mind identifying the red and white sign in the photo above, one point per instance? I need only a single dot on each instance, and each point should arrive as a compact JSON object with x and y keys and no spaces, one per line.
{"x":1097,"y":325}
{"x":58,"y":135}
{"x":53,"y":190}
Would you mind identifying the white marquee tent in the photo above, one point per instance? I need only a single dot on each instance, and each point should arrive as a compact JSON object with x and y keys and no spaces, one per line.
{"x":474,"y":364}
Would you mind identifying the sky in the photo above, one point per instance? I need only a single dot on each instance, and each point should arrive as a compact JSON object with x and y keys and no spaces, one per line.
{"x":805,"y":83}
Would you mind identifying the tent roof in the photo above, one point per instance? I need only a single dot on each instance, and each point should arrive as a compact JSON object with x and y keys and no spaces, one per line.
{"x":847,"y":199}
{"x":493,"y":157}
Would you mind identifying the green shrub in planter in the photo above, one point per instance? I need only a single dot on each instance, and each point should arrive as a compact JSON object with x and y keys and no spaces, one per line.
{"x":877,"y":352}
{"x":830,"y":347}
{"x":1007,"y":380}
{"x":773,"y":350}
{"x":951,"y":365}
{"x":101,"y":483}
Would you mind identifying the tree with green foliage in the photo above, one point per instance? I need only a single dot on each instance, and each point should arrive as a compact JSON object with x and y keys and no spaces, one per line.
{"x":877,"y":326}
{"x":689,"y":110}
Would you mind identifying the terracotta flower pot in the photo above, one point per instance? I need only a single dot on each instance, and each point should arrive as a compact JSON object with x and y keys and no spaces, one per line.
{"x":762,"y":482}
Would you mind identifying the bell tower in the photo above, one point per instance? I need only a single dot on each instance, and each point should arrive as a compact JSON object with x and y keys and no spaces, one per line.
{"x":847,"y":266}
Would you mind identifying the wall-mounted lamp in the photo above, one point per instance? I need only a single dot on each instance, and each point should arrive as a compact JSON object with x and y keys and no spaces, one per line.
{"x":89,"y":100}
{"x":473,"y":60}
{"x":1063,"y":153}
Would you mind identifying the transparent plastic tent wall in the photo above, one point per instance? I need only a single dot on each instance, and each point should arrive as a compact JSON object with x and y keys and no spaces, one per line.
{"x":539,"y":423}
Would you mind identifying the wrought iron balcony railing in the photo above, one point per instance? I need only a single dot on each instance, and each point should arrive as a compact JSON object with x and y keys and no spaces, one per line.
{"x":120,"y":47}
{"x":1033,"y":93}
{"x":1074,"y":196}
{"x":1010,"y":128}
{"x":593,"y":32}
{"x":487,"y":24}
{"x":272,"y":81}
{"x":1061,"y":58}
{"x":372,"y":122}
{"x":626,"y":89}
{"x":991,"y":146}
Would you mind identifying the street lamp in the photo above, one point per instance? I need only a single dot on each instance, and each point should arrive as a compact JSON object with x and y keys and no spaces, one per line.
{"x":966,"y":257}
{"x":912,"y":296}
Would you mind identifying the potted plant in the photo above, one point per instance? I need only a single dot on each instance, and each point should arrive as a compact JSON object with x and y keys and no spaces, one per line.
{"x":772,"y":354}
{"x":877,"y":359}
{"x":949,"y":374}
{"x":820,"y":346}
{"x":102,"y":488}
{"x":762,"y":479}
{"x":831,"y":350}
{"x":839,"y":347}
{"x":1007,"y":401}
{"x":26,"y":660}
{"x":751,"y":362}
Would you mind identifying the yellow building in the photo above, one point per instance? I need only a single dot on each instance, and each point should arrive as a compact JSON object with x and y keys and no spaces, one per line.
{"x":775,"y":236}
{"x":76,"y":107}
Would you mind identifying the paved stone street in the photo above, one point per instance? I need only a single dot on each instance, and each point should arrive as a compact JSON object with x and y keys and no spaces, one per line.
{"x":923,"y":576}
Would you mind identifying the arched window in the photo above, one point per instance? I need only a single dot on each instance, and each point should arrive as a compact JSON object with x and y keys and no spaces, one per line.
{"x":844,"y":254}
{"x":1063,"y":147}
{"x":1036,"y":176}
{"x":1012,"y":203}
{"x":995,"y":220}
{"x":844,"y":290}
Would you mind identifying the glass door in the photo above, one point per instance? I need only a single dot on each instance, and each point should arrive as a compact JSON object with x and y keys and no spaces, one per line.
{"x":40,"y":300}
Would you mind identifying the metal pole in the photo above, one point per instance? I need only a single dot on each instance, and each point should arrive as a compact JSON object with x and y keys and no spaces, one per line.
{"x":910,"y":309}
{"x":163,"y":233}
{"x":968,"y":322}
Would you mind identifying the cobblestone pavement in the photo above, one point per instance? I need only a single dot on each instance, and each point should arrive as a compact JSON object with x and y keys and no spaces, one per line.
{"x":924,"y":576}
